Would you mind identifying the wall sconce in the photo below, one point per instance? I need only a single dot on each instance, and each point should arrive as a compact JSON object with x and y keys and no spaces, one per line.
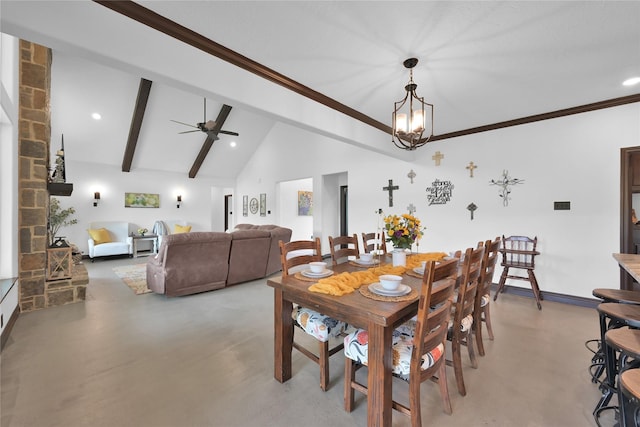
{"x":96,"y":197}
{"x":179,"y":200}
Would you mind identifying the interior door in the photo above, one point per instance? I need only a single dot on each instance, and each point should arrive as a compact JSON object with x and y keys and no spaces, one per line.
{"x":228,"y":211}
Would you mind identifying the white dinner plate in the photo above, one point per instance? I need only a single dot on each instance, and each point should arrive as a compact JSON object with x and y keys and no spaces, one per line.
{"x":310,"y":274}
{"x":372,"y":262}
{"x":419,"y":270}
{"x":377,"y":288}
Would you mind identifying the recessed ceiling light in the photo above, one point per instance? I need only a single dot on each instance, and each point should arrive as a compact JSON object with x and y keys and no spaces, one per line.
{"x":96,"y":116}
{"x":232,"y":144}
{"x":632,"y":81}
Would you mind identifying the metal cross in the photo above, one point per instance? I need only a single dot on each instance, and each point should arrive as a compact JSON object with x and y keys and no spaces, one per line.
{"x":411,"y":208}
{"x":411,"y":175}
{"x":471,"y":167}
{"x":472,"y":207}
{"x":390,"y":189}
{"x":505,"y":183}
{"x":437,"y":157}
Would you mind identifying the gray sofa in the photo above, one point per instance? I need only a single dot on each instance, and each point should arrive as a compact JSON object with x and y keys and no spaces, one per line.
{"x":195,"y":262}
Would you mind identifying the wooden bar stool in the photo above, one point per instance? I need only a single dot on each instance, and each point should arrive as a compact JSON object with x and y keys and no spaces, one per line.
{"x":613,"y":314}
{"x":608,"y":295}
{"x":629,"y":397}
{"x":626,"y":342}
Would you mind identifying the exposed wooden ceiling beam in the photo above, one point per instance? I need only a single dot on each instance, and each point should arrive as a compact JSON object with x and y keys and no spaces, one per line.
{"x":212,"y":136}
{"x":150,"y":18}
{"x":136,"y":123}
{"x":545,"y":116}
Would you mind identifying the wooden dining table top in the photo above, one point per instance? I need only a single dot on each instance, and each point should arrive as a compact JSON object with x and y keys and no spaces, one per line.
{"x":354,"y":308}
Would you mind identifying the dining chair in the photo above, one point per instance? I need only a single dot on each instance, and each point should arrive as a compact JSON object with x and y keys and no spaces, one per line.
{"x":519,"y":252}
{"x":322,"y":328}
{"x":343,"y":247}
{"x":418,"y":345}
{"x":371,"y":240}
{"x":481,"y":311}
{"x":461,"y":321}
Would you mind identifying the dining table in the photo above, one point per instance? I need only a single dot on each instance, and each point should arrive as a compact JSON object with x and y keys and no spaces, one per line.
{"x":378,"y":317}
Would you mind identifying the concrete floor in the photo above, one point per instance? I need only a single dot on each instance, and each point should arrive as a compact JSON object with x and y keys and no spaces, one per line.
{"x":207,"y":360}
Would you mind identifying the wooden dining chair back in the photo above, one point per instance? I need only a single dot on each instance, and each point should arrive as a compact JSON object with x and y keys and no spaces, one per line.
{"x":418,"y":345}
{"x":342,"y":247}
{"x":519,"y":252}
{"x":373,"y":241}
{"x":298,"y":252}
{"x":321,"y":327}
{"x":462,"y":319}
{"x":481,"y":311}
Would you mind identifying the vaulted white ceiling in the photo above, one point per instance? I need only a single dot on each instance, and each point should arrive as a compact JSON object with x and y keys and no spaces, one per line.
{"x":480,"y":63}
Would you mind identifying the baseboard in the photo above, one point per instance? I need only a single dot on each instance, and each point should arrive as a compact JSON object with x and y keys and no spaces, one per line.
{"x":549,"y":296}
{"x":7,"y":330}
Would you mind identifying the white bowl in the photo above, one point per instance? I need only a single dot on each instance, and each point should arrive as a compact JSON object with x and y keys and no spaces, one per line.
{"x":390,"y":282}
{"x":366,"y":257}
{"x":317,"y":266}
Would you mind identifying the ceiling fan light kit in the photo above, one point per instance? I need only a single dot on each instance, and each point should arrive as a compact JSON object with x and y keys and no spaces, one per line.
{"x":411,"y":116}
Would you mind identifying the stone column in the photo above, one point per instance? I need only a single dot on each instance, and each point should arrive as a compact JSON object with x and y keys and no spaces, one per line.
{"x":34,"y":138}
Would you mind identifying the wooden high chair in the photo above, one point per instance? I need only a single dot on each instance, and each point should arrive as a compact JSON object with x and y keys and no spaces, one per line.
{"x":519,"y":252}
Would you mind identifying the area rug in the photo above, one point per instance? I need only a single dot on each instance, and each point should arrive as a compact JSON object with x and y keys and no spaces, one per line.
{"x":135,"y":277}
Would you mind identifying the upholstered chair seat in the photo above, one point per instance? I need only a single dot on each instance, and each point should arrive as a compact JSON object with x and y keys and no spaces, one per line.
{"x":318,"y":325}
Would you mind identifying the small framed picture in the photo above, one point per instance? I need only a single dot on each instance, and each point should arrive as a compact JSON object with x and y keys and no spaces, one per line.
{"x":245,"y":205}
{"x":263,"y":204}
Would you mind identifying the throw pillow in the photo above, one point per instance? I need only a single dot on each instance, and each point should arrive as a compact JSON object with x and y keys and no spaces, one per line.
{"x":100,"y":235}
{"x":181,"y":229}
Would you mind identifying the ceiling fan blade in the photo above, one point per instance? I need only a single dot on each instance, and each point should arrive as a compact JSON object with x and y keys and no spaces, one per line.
{"x":226,"y":132}
{"x":183,"y":123}
{"x":189,"y":131}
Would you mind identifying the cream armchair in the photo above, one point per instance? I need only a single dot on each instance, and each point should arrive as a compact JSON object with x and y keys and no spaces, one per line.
{"x":117,"y":234}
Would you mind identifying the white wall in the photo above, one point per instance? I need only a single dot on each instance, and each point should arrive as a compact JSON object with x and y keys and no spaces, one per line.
{"x":8,"y":156}
{"x":575,"y":158}
{"x":302,"y":225}
{"x":202,"y":200}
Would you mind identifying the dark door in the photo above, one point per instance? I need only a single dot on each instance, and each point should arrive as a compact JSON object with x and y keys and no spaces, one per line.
{"x":228,"y":206}
{"x":344,"y":210}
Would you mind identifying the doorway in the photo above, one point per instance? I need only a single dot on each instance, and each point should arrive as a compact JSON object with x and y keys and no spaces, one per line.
{"x":344,"y":210}
{"x":228,"y":210}
{"x":629,"y":233}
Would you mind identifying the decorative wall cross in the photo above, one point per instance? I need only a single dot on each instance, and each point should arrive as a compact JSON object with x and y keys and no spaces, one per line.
{"x":437,"y":157}
{"x":440,"y":192}
{"x":472,"y":207}
{"x":471,"y":167}
{"x":390,"y":189}
{"x":505,"y":183}
{"x":411,"y":209}
{"x":411,"y":175}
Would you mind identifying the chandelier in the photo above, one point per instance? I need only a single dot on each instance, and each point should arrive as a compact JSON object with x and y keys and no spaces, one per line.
{"x":410,"y":120}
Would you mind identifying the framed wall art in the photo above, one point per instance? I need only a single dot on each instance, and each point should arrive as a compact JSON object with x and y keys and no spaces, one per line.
{"x":263,"y":204}
{"x":141,"y":200}
{"x":245,"y":205}
{"x":305,"y":203}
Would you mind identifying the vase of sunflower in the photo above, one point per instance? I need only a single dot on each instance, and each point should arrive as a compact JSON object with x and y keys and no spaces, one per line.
{"x":402,"y":231}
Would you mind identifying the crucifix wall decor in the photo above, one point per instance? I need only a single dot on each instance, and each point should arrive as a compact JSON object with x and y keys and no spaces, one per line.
{"x":411,"y":175}
{"x":471,"y":167}
{"x":440,"y":192}
{"x":390,"y":189}
{"x":411,"y":209}
{"x":505,"y":183}
{"x":437,"y":157}
{"x":472,"y":207}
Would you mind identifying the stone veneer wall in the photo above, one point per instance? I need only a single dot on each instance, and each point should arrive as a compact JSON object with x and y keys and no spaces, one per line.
{"x":34,"y":137}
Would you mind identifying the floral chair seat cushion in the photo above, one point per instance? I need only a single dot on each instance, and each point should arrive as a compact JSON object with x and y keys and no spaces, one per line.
{"x":485,"y":300}
{"x":318,"y":325}
{"x":467,"y":322}
{"x":356,"y":348}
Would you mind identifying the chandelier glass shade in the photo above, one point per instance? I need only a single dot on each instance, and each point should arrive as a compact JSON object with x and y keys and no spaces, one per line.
{"x":412,"y":118}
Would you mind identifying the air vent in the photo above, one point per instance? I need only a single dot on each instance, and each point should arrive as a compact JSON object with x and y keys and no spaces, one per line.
{"x":561,"y":206}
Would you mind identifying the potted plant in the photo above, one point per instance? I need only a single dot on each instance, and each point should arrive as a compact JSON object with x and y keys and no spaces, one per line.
{"x":58,"y":218}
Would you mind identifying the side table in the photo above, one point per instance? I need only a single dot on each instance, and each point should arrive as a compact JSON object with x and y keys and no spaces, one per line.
{"x":147,"y":237}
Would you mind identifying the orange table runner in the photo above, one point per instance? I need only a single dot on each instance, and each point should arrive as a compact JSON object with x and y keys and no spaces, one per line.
{"x":347,"y":282}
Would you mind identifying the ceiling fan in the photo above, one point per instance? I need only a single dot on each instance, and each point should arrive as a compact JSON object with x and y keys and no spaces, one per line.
{"x":205,"y":126}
